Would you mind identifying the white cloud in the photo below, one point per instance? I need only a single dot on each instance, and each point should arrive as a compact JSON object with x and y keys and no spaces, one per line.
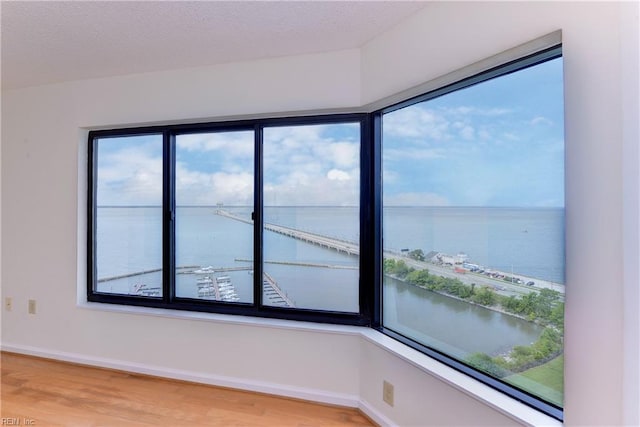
{"x":312,"y":165}
{"x":341,"y":154}
{"x":417,"y":122}
{"x":198,"y":188}
{"x":420,"y":122}
{"x":468,"y":111}
{"x":338,"y":175}
{"x":230,"y":144}
{"x":129,"y":176}
{"x":305,"y":189}
{"x":539,"y":120}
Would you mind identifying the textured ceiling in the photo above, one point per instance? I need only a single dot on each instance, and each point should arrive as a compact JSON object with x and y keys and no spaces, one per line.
{"x":51,"y":41}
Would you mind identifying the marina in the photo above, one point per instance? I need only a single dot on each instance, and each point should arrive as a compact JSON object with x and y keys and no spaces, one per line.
{"x":217,"y":288}
{"x":220,"y":288}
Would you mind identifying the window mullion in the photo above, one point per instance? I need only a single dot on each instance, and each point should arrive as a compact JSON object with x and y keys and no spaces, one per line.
{"x":375,"y":191}
{"x":168,"y":226}
{"x":257,"y":218}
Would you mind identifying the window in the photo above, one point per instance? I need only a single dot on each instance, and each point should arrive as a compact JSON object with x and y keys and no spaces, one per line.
{"x":473,"y":225}
{"x":438,"y":221}
{"x":214,"y":186}
{"x":257,"y":218}
{"x":311,"y":216}
{"x":128,"y":215}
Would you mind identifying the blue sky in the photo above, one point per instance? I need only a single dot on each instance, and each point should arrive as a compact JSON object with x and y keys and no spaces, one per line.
{"x":498,"y":143}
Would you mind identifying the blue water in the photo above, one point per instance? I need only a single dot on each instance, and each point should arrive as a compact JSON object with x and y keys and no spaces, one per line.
{"x":526,"y":241}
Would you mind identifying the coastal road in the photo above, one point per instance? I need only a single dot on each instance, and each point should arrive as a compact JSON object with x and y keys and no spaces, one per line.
{"x":502,"y":287}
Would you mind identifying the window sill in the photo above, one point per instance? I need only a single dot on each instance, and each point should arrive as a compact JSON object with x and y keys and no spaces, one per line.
{"x":500,"y":402}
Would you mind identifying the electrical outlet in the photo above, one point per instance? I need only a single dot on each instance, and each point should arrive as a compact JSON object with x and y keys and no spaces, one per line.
{"x":387,"y":392}
{"x":32,"y":306}
{"x":8,"y":303}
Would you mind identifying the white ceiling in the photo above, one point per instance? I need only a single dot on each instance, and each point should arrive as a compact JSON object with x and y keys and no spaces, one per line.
{"x":53,"y":41}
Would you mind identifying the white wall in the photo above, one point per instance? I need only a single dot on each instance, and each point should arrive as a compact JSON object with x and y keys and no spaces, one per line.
{"x":42,"y":128}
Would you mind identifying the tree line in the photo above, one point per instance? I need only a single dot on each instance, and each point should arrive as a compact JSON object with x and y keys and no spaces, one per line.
{"x":544,"y":307}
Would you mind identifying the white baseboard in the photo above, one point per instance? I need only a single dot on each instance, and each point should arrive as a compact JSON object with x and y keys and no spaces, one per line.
{"x":314,"y":395}
{"x":376,"y":416}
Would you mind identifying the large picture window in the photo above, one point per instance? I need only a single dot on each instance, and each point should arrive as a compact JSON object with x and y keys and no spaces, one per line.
{"x":438,"y":221}
{"x":473,"y":225}
{"x":258,"y":218}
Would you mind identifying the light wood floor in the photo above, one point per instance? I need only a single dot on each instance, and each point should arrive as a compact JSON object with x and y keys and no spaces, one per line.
{"x":53,"y":393}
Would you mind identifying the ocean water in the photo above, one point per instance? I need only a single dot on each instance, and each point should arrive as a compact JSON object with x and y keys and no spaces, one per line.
{"x":525,"y":241}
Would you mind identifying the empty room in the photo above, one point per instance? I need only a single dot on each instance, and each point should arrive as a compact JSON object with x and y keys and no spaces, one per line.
{"x":320,"y":213}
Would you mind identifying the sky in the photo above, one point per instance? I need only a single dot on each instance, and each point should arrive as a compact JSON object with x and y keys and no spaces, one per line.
{"x":303,"y":165}
{"x":498,"y":143}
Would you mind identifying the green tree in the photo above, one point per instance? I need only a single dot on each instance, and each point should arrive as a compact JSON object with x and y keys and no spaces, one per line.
{"x":419,"y":277}
{"x":484,"y":296}
{"x":402,"y":269}
{"x":417,"y":254}
{"x":388,"y":265}
{"x":457,"y":288}
{"x":556,"y":318}
{"x":485,"y":363}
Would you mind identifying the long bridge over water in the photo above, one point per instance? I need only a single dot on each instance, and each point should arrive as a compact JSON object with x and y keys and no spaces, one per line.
{"x":352,"y":248}
{"x":340,"y":245}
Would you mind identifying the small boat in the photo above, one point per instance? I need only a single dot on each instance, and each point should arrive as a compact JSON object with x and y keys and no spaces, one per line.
{"x":205,"y":280}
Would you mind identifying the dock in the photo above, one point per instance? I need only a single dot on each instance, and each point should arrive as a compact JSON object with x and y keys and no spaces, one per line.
{"x":217,"y":288}
{"x":140,"y":273}
{"x":272,"y":291}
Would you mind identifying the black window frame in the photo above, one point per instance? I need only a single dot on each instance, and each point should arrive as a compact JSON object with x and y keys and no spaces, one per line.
{"x":169,"y":300}
{"x":371,"y":248}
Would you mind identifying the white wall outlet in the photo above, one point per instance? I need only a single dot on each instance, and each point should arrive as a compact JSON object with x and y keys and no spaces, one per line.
{"x":32,"y":306}
{"x":387,"y":392}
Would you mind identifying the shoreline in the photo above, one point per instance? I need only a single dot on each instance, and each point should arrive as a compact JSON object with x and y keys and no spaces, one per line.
{"x":492,"y":308}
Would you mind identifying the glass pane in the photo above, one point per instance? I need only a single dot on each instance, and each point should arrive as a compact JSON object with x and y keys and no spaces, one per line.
{"x":129,"y":215}
{"x":473,"y":225}
{"x":311,"y":215}
{"x":214,"y":201}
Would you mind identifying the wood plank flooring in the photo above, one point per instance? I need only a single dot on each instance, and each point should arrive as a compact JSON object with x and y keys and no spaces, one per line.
{"x":53,"y":393}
